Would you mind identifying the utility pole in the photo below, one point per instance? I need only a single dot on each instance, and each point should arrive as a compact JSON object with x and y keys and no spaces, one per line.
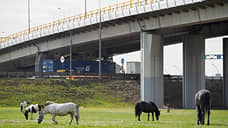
{"x":85,"y":8}
{"x":100,"y":41}
{"x":71,"y":55}
{"x":28,"y":17}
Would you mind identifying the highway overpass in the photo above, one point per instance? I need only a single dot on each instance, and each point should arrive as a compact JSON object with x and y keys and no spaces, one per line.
{"x":145,"y":25}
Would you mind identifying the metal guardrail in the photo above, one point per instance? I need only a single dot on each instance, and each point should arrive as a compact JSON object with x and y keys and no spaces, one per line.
{"x":66,"y":75}
{"x":128,"y":8}
{"x":113,"y":76}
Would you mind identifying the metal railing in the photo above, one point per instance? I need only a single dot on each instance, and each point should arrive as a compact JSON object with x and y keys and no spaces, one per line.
{"x":66,"y":75}
{"x":128,"y":8}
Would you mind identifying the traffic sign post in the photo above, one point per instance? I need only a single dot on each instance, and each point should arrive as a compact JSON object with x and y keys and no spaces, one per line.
{"x":62,"y":59}
{"x":122,"y":60}
{"x":122,"y":67}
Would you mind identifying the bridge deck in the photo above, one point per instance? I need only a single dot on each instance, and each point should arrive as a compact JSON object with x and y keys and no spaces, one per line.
{"x":112,"y":12}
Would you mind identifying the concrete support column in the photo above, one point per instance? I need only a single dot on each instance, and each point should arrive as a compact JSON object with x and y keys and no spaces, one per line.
{"x":152,"y":88}
{"x":194,"y":68}
{"x":225,"y":71}
{"x":38,"y":62}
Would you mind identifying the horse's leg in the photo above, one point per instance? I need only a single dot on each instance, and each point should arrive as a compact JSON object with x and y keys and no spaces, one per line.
{"x":198,"y":115}
{"x":153,"y":116}
{"x":31,"y":116}
{"x":139,"y":116}
{"x":76,"y":118}
{"x":148,"y":116}
{"x":71,"y":116}
{"x":203,"y":117}
{"x":208,"y":117}
{"x":53,"y":118}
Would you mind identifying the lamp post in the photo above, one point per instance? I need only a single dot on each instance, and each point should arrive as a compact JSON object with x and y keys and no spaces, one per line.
{"x":216,"y":68}
{"x":60,"y":13}
{"x":85,"y":8}
{"x":29,"y":15}
{"x":99,"y":73}
{"x":71,"y":55}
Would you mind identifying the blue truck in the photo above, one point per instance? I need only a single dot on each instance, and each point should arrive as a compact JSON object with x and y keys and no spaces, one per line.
{"x":79,"y":66}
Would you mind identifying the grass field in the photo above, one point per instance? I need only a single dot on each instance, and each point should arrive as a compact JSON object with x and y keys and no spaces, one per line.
{"x":113,"y":118}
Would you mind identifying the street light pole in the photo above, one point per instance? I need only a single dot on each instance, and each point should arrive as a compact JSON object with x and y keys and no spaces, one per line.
{"x":71,"y":55}
{"x":85,"y":8}
{"x":100,"y":40}
{"x":28,"y":17}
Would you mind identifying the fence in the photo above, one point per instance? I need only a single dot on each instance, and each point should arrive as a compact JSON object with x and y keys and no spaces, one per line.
{"x":173,"y":91}
{"x":66,"y":75}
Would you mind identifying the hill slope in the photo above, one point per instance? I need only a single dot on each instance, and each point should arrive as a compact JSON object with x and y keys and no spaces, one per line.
{"x":82,"y":92}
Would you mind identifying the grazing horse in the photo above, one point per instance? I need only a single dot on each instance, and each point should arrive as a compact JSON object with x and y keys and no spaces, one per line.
{"x":32,"y":109}
{"x":23,"y":104}
{"x":147,"y":107}
{"x":48,"y":103}
{"x":202,"y":100}
{"x":60,"y":110}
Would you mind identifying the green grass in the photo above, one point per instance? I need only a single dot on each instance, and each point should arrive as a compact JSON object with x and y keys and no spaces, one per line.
{"x":113,"y":118}
{"x":83,"y":92}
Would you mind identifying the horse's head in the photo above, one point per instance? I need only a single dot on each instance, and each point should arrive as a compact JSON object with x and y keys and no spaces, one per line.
{"x":49,"y":102}
{"x":157,"y":114}
{"x":40,"y":117}
{"x":26,"y":114}
{"x":23,"y":105}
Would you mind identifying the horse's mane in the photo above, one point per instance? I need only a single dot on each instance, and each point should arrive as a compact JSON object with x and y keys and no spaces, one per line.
{"x":49,"y":102}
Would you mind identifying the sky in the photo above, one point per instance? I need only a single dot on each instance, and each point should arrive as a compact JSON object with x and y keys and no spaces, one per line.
{"x":14,"y":13}
{"x":173,"y":58}
{"x":14,"y":18}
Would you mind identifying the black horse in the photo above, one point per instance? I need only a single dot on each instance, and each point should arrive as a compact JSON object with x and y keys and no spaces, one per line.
{"x":147,"y":107}
{"x":202,"y":100}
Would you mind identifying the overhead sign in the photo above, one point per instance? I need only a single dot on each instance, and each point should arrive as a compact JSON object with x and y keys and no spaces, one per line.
{"x":213,"y":56}
{"x":219,"y":56}
{"x":62,"y":59}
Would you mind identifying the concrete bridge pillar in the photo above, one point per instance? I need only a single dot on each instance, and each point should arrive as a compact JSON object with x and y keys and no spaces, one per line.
{"x":225,"y":71}
{"x":38,"y":62}
{"x":194,"y":68}
{"x":152,"y":68}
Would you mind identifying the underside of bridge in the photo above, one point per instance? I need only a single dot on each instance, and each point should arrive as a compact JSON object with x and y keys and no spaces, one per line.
{"x":193,"y":39}
{"x":190,"y":25}
{"x":84,"y":51}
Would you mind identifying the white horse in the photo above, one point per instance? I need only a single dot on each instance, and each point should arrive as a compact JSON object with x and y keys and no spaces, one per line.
{"x":32,"y":109}
{"x":23,"y":104}
{"x":48,"y":103}
{"x":60,"y":110}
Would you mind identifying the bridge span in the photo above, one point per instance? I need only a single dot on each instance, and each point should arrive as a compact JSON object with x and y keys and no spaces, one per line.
{"x":145,"y":25}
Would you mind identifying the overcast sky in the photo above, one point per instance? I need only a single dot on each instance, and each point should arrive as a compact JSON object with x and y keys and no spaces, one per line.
{"x":14,"y":18}
{"x":14,"y":13}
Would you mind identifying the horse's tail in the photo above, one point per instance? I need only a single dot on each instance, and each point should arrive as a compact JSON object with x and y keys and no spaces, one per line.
{"x":136,"y":109}
{"x":78,"y":113}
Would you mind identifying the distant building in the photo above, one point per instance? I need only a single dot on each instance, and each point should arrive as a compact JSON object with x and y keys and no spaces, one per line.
{"x":133,"y":67}
{"x":118,"y":68}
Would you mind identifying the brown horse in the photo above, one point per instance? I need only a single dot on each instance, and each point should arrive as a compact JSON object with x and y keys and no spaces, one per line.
{"x":147,"y":107}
